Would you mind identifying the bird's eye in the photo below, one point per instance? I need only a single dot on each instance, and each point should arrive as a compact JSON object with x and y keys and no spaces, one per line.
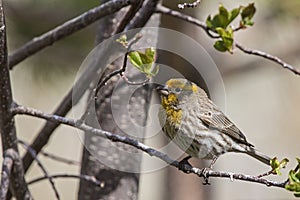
{"x":177,"y":90}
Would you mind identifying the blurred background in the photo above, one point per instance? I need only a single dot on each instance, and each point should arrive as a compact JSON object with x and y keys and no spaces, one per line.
{"x":262,"y":98}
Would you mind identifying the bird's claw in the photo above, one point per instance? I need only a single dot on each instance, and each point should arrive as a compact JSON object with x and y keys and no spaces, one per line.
{"x":205,"y":175}
{"x":183,"y":163}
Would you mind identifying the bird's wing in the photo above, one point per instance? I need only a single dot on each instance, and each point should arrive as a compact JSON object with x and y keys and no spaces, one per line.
{"x":213,"y":118}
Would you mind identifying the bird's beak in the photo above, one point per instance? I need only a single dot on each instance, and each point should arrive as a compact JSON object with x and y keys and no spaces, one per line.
{"x":162,"y":90}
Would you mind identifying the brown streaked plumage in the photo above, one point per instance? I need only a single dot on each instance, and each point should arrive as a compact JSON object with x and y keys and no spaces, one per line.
{"x":197,"y":125}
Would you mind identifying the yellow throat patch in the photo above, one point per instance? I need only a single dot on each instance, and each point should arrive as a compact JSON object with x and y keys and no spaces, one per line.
{"x":174,"y":115}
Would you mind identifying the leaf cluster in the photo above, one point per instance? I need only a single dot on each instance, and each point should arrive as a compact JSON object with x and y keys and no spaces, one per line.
{"x":144,"y":61}
{"x":220,"y":24}
{"x":294,"y":180}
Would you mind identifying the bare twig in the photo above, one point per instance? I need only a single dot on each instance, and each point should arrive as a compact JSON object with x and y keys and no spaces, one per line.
{"x":167,"y":11}
{"x":128,"y":16}
{"x":143,"y":15}
{"x":152,"y":152}
{"x":187,"y":18}
{"x":119,"y":71}
{"x":66,"y":29}
{"x":267,"y":56}
{"x":124,"y":77}
{"x":33,"y":154}
{"x":90,"y":179}
{"x":189,"y":5}
{"x":265,"y":174}
{"x":70,"y":99}
{"x":60,"y":159}
{"x":105,"y":79}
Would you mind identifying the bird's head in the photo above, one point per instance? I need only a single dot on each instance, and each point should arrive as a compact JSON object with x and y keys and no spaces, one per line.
{"x":179,"y":91}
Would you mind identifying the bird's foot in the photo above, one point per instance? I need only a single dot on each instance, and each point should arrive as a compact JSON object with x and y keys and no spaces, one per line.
{"x":205,"y":171}
{"x":205,"y":175}
{"x":184,"y":163}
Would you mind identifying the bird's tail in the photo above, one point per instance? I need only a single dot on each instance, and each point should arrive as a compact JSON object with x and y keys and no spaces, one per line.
{"x":259,"y":156}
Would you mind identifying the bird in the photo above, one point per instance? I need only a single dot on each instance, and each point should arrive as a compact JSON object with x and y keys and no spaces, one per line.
{"x":197,"y":126}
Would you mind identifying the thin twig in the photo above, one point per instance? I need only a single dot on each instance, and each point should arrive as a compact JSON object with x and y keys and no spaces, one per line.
{"x":33,"y":154}
{"x":152,"y":152}
{"x":119,"y":71}
{"x":167,"y":11}
{"x":60,"y":159}
{"x":106,"y":78}
{"x":66,"y":29}
{"x":187,"y":18}
{"x":124,"y":77}
{"x":189,"y":5}
{"x":267,"y":56}
{"x":265,"y":174}
{"x":90,"y":179}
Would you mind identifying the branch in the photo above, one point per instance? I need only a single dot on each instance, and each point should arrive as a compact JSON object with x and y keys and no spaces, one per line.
{"x":33,"y":154}
{"x":152,"y":152}
{"x":71,"y":98}
{"x":66,"y":29}
{"x":60,"y":159}
{"x":164,"y":10}
{"x":128,"y":16}
{"x":167,"y":11}
{"x":9,"y":140}
{"x":143,"y":15}
{"x":119,"y":71}
{"x":189,"y":5}
{"x":267,"y":56}
{"x":90,"y":179}
{"x":9,"y":156}
{"x":103,"y":81}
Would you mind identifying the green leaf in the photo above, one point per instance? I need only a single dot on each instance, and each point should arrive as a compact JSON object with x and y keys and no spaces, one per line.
{"x":294,"y":187}
{"x":220,"y":21}
{"x":294,"y":181}
{"x":294,"y":184}
{"x":226,"y":44}
{"x":150,"y":52}
{"x":223,"y":18}
{"x":209,"y":23}
{"x":276,"y":165}
{"x":248,"y":11}
{"x":233,"y":14}
{"x":220,"y":46}
{"x":223,"y":11}
{"x":247,"y":14}
{"x":136,"y":59}
{"x":144,"y":61}
{"x":293,"y":176}
{"x":283,"y":163}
